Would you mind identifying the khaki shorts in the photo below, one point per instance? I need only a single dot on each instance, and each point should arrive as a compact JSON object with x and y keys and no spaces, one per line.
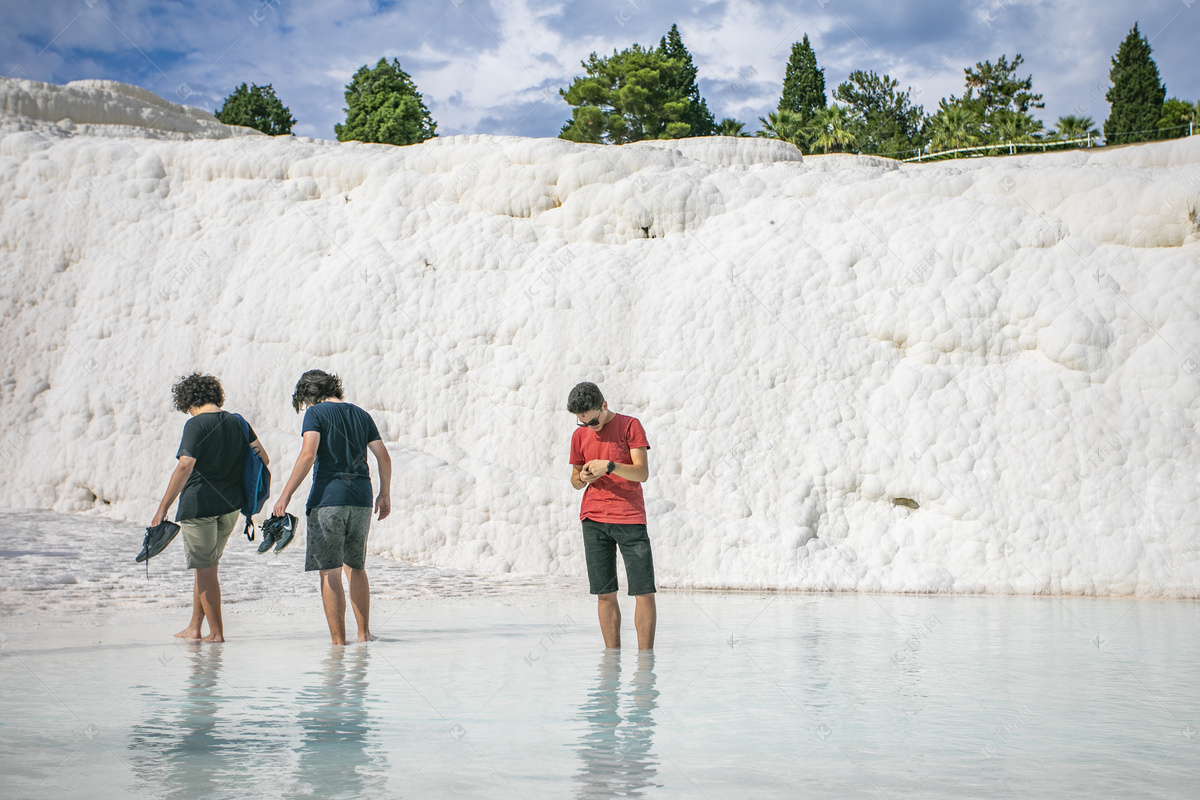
{"x":204,"y":538}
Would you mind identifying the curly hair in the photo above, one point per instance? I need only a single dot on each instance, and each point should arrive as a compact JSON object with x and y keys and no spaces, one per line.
{"x":584,"y":397}
{"x":314,"y":386}
{"x":197,"y":390}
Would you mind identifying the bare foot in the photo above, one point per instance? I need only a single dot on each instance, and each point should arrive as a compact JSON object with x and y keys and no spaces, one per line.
{"x":212,"y":637}
{"x":366,"y":637}
{"x":188,"y":633}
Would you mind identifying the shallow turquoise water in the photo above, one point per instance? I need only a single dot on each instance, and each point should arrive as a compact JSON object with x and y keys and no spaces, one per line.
{"x":746,"y":696}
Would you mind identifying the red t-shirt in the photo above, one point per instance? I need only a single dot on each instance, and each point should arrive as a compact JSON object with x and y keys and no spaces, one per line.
{"x":611,"y":498}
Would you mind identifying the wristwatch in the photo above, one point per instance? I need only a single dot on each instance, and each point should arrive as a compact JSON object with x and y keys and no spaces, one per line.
{"x":611,"y":466}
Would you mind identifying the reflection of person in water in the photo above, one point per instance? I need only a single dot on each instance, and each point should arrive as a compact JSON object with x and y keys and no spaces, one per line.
{"x":616,"y":749}
{"x":334,"y":725}
{"x":188,"y":754}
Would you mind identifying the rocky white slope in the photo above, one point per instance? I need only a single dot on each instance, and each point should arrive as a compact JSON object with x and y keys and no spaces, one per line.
{"x":970,"y":376}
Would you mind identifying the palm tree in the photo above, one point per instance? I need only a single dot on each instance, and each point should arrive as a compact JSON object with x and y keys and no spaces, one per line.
{"x":1010,"y":126}
{"x":831,"y":127}
{"x":730,"y":127}
{"x":953,"y":126}
{"x":1073,"y":127}
{"x":783,"y":124}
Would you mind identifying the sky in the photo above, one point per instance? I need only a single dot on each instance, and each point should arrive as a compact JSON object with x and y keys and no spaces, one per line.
{"x":495,"y":66}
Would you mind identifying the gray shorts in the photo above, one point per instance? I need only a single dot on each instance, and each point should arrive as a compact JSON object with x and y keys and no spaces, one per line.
{"x":337,"y":535}
{"x":600,"y":542}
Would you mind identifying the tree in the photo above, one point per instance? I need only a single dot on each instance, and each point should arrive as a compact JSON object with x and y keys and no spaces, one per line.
{"x":1177,"y":116}
{"x":1073,"y":127}
{"x":256,"y":107}
{"x":954,"y":126}
{"x":1012,"y":126}
{"x":803,"y":81}
{"x":627,"y":97}
{"x":1136,"y":94}
{"x":785,"y":125}
{"x":730,"y":127}
{"x":383,"y":105}
{"x":803,"y":95}
{"x":698,"y":117}
{"x":831,"y":126}
{"x":996,"y":95}
{"x":887,"y":122}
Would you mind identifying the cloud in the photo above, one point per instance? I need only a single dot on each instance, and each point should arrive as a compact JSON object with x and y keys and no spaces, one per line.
{"x":495,"y":67}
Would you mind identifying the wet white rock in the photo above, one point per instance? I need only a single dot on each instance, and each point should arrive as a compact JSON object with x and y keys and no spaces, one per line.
{"x":975,"y":376}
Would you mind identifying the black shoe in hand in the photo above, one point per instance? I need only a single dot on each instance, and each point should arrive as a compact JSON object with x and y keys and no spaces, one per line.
{"x":280,"y":530}
{"x":157,"y":539}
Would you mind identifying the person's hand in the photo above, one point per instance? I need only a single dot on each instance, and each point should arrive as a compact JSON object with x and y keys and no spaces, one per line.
{"x":383,"y":505}
{"x":598,"y":468}
{"x":158,"y":518}
{"x":280,"y":507}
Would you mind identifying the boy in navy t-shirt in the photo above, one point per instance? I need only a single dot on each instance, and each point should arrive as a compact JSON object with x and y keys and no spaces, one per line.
{"x":337,"y":436}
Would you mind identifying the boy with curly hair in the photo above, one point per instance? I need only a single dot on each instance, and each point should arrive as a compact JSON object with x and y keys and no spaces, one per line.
{"x":208,"y":482}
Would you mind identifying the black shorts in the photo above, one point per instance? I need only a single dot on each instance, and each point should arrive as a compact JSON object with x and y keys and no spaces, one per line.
{"x":600,"y":542}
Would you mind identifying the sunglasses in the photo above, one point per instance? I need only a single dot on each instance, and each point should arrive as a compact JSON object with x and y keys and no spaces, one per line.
{"x":591,"y":423}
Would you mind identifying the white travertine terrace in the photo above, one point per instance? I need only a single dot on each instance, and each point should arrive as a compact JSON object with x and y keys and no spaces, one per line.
{"x":972,"y":376}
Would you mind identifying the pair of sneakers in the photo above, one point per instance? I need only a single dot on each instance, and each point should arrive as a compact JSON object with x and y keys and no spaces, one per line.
{"x":278,"y":531}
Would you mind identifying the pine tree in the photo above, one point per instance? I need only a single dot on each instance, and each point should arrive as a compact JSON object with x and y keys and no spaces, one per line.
{"x":699,"y":119}
{"x":888,"y":122}
{"x":627,"y":97}
{"x":383,"y":105}
{"x":803,"y":81}
{"x":256,"y":107}
{"x":1136,"y":94}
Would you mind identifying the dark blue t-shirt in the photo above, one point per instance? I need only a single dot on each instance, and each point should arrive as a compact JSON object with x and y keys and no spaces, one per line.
{"x":341,"y":476}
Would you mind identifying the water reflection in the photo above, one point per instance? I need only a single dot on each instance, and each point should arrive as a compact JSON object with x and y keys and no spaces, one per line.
{"x":616,"y":747}
{"x":185,"y":750}
{"x":335,"y":755}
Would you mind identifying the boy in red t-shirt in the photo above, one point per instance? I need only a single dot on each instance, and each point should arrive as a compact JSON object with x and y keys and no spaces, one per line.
{"x":608,"y":460}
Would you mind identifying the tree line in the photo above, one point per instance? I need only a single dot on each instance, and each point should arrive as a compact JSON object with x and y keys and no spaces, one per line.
{"x":652,"y":93}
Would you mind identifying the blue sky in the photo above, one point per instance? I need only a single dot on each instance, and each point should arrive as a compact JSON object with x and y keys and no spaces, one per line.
{"x":494,"y":66}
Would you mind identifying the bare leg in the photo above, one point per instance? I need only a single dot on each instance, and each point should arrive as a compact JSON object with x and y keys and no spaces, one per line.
{"x":192,"y":631}
{"x":210,"y":602}
{"x":334,"y":598}
{"x":645,"y":618}
{"x":360,"y":601}
{"x":610,"y":618}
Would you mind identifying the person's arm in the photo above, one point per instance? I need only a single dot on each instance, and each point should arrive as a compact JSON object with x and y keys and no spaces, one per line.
{"x":638,"y":471}
{"x":580,"y":477}
{"x":183,"y":471}
{"x":257,"y":447}
{"x":383,"y":503}
{"x":304,"y":462}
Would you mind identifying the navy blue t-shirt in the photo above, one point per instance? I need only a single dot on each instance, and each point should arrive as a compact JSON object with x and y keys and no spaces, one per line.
{"x":341,"y":476}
